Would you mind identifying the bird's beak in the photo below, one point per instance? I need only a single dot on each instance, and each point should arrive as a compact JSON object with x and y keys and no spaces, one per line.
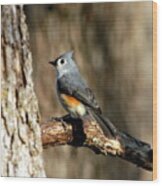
{"x":52,"y":63}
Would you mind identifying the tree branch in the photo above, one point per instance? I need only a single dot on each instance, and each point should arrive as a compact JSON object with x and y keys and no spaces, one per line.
{"x":66,"y":130}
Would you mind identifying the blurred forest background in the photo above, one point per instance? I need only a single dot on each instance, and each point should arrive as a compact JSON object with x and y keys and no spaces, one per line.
{"x":112,"y":45}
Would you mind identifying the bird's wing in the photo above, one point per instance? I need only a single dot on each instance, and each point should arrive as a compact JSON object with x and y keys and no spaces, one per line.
{"x":78,"y":90}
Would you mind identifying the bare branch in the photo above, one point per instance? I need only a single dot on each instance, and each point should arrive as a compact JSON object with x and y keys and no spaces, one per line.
{"x":66,"y":130}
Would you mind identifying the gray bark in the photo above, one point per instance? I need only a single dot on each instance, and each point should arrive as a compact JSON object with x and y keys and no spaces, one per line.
{"x":20,"y":132}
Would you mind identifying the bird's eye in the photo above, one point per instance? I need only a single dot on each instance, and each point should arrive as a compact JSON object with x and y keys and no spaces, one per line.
{"x":62,"y":61}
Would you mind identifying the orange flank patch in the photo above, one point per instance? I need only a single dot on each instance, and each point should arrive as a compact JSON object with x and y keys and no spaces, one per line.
{"x":69,"y":100}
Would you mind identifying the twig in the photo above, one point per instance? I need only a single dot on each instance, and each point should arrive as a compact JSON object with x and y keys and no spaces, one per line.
{"x":66,"y":130}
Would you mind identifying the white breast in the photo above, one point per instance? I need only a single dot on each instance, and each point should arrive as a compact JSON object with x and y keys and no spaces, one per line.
{"x":80,"y":110}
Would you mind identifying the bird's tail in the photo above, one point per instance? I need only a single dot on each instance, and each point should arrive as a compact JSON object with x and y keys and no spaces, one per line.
{"x":107,"y":127}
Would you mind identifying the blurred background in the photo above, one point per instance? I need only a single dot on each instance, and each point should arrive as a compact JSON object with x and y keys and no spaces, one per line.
{"x":112,"y":45}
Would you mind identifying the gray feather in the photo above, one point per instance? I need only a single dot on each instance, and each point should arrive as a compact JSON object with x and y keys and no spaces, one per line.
{"x":75,"y":86}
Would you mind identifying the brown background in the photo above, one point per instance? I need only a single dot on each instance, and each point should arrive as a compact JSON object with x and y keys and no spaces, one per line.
{"x":113,"y":49}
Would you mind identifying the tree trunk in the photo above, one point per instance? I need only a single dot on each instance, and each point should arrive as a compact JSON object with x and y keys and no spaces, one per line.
{"x":20,"y":137}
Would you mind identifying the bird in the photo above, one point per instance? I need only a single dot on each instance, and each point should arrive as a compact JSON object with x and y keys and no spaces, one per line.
{"x":75,"y":95}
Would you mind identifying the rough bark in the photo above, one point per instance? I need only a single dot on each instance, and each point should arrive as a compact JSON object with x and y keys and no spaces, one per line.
{"x":62,"y":131}
{"x":20,"y":132}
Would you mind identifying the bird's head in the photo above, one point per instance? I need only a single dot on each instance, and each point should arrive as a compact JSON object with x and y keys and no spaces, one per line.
{"x":64,"y":63}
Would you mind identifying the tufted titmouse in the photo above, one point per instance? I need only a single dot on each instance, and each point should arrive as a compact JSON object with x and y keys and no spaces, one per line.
{"x":75,"y":95}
